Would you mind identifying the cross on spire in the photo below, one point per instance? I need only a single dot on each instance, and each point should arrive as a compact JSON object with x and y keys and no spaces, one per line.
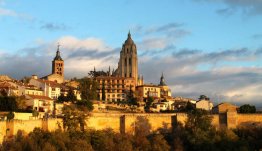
{"x":58,"y":46}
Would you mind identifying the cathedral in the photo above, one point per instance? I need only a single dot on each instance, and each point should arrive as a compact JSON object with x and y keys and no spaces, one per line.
{"x":128,"y":63}
{"x":125,"y":80}
{"x":121,"y":83}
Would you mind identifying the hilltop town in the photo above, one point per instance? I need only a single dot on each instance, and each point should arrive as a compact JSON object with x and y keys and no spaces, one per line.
{"x":118,"y":90}
{"x":118,"y":103}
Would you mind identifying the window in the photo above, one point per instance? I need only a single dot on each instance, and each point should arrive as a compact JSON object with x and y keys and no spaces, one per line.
{"x":130,"y":61}
{"x":125,"y":62}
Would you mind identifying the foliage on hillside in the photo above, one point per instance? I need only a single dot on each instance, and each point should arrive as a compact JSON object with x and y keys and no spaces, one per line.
{"x":246,"y":108}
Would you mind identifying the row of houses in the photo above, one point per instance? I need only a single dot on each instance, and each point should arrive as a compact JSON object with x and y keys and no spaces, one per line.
{"x":38,"y":94}
{"x":204,"y":103}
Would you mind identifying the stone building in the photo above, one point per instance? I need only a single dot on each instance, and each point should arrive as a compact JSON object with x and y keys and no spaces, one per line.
{"x":50,"y":88}
{"x":224,"y":108}
{"x":204,"y":104}
{"x":128,"y":62}
{"x":148,"y":90}
{"x":165,"y":90}
{"x":40,"y":103}
{"x":24,"y":88}
{"x":116,"y":88}
{"x":57,"y":69}
{"x":8,"y":89}
{"x":119,"y":82}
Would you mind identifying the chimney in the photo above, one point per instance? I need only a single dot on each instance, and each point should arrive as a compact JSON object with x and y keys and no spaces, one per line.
{"x":34,"y":77}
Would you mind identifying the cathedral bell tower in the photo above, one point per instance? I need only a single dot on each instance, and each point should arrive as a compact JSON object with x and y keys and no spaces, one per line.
{"x":58,"y":63}
{"x":128,"y":64}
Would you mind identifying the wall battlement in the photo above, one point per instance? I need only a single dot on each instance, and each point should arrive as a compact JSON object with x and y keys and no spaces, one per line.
{"x":125,"y":122}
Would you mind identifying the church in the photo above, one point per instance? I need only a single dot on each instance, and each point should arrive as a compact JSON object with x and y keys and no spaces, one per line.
{"x":57,"y":74}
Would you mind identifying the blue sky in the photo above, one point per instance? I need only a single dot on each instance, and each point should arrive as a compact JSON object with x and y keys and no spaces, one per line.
{"x":210,"y":47}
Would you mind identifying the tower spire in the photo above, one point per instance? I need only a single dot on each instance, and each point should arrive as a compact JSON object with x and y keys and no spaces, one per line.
{"x":162,"y":80}
{"x":58,"y":57}
{"x":58,"y":46}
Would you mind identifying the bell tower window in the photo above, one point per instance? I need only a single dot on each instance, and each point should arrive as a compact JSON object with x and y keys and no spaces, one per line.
{"x":130,"y":61}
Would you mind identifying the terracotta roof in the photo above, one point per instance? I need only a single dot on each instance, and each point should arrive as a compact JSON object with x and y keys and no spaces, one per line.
{"x":41,"y":97}
{"x":5,"y":85}
{"x":225,"y":103}
{"x":50,"y":83}
{"x":112,"y":77}
{"x":5,"y":78}
{"x":148,"y":85}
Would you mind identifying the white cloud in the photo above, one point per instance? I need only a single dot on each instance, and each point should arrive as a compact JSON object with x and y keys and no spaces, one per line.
{"x":7,"y":12}
{"x":74,"y":44}
{"x":80,"y":55}
{"x":153,"y":44}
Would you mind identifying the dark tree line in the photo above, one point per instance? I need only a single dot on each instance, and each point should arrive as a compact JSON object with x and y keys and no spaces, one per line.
{"x":70,"y":97}
{"x":8,"y":103}
{"x":246,"y":108}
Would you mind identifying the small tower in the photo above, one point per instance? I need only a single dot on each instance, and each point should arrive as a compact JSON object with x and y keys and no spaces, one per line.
{"x":128,"y":64}
{"x":162,"y":80}
{"x":58,"y":63}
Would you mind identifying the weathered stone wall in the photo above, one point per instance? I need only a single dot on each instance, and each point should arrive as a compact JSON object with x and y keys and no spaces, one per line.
{"x":2,"y":130}
{"x":125,"y":123}
{"x":26,"y":126}
{"x":101,"y":121}
{"x":215,"y":120}
{"x":245,"y":119}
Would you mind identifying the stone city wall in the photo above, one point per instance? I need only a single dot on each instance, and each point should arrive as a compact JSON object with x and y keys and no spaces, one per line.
{"x":125,"y":123}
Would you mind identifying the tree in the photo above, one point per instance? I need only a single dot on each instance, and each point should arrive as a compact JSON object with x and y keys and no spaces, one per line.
{"x":246,"y":108}
{"x":10,"y":116}
{"x":142,"y":129}
{"x":103,"y":92}
{"x":199,"y":130}
{"x":149,"y":102}
{"x":198,"y":119}
{"x":8,"y":103}
{"x":93,"y":91}
{"x":203,"y":97}
{"x":71,"y":95}
{"x":21,"y":103}
{"x":87,"y":105}
{"x":189,"y":106}
{"x":88,"y":88}
{"x":61,"y":98}
{"x":3,"y":93}
{"x":75,"y":116}
{"x":35,"y":113}
{"x":25,"y":79}
{"x":158,"y":143}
